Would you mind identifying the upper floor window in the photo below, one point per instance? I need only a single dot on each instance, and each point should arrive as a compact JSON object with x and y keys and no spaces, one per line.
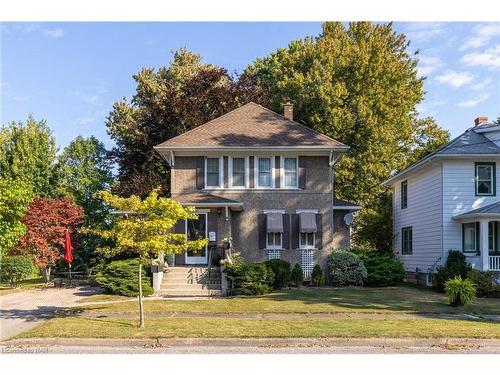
{"x":407,"y":240}
{"x":290,"y":172}
{"x":485,"y":179}
{"x":404,"y":194}
{"x":264,"y":172}
{"x":238,"y":172}
{"x":213,"y":172}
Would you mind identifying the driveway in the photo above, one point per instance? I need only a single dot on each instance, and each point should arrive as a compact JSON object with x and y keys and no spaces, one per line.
{"x":22,"y":311}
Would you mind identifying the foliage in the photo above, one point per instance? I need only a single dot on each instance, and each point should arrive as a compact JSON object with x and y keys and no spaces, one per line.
{"x":249,"y":278}
{"x":297,"y":275}
{"x":15,"y":269}
{"x":460,"y":291}
{"x":456,"y":265}
{"x":317,"y":277}
{"x":346,"y":268}
{"x":281,"y":271}
{"x":84,"y":169}
{"x":167,"y":102}
{"x":120,"y":277}
{"x":358,"y":84}
{"x":27,"y":153}
{"x":46,"y":221}
{"x":14,"y":198}
{"x":382,"y":268}
{"x":484,"y":283}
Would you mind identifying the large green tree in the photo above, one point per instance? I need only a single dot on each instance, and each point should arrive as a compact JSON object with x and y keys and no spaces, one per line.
{"x":84,"y":169}
{"x":358,"y":84}
{"x":169,"y":101}
{"x":28,"y":153}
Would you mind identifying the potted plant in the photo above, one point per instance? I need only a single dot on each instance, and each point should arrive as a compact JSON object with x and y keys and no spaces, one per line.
{"x":226,"y":242}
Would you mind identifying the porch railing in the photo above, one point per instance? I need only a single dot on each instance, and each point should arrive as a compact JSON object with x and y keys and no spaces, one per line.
{"x":494,"y":263}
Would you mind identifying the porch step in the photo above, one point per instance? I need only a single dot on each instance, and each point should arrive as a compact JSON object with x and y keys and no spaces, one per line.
{"x":186,"y":281}
{"x":190,"y":293}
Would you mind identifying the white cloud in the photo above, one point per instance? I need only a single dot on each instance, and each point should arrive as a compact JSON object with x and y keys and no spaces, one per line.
{"x":474,"y":101}
{"x":483,"y":85}
{"x":455,"y":79}
{"x":489,"y":58}
{"x":53,"y":33}
{"x":423,"y":31}
{"x":481,"y":35}
{"x":428,"y":64}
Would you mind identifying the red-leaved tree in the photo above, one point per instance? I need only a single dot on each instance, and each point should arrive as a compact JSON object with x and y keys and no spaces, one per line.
{"x":46,"y":222}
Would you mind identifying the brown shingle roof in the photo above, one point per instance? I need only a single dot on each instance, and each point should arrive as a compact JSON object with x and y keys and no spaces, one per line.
{"x":251,"y":125}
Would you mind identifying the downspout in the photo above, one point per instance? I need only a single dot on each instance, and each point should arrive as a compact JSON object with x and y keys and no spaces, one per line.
{"x":332,"y":161}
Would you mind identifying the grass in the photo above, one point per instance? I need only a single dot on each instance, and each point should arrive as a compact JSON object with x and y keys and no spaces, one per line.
{"x":102,"y":298}
{"x":34,"y":283}
{"x":312,"y":300}
{"x":84,"y":327}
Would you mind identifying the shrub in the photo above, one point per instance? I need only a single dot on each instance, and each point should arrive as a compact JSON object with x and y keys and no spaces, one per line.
{"x":455,"y":265}
{"x":281,"y":271}
{"x":346,"y":268}
{"x":16,"y":268}
{"x":250,"y":278}
{"x":460,"y":291}
{"x":317,"y":277}
{"x":484,"y":283}
{"x":297,"y":275}
{"x":382,"y":268}
{"x":122,"y":277}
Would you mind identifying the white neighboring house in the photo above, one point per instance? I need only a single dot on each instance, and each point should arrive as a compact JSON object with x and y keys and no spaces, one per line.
{"x":448,"y":201}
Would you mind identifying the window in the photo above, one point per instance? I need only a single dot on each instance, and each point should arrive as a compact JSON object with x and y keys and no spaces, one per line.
{"x":485,"y":178}
{"x":213,"y":175}
{"x":238,"y":172}
{"x":307,"y":262}
{"x":470,"y":237}
{"x":290,"y":173}
{"x":274,"y":240}
{"x":264,"y":172}
{"x":273,"y":254}
{"x":407,"y":240}
{"x":404,"y":194}
{"x":307,"y":240}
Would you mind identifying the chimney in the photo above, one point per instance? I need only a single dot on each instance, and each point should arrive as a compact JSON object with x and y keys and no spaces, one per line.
{"x":288,"y":110}
{"x":480,"y":120}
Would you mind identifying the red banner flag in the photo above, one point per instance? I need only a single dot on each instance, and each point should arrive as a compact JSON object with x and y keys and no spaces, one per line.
{"x":68,"y":249}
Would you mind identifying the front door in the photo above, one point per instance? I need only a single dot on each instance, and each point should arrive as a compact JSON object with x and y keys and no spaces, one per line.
{"x":196,"y":229}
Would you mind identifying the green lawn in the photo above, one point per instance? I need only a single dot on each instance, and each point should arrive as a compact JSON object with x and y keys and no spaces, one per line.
{"x":84,"y":327}
{"x":38,"y":282}
{"x":312,"y":300}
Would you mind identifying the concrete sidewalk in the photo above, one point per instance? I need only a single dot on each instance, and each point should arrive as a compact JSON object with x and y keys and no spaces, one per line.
{"x":243,"y":346}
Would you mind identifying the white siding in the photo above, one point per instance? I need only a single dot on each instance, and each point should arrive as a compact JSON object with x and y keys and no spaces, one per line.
{"x":423,"y":214}
{"x":460,"y":196}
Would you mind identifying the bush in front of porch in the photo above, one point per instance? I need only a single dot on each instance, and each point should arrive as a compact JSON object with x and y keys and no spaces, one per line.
{"x":455,"y":265}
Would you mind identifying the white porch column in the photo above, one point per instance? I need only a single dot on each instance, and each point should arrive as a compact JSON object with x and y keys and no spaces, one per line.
{"x":483,"y":243}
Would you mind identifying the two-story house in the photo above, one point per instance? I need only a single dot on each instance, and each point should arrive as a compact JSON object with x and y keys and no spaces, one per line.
{"x":448,"y":201}
{"x":263,"y":180}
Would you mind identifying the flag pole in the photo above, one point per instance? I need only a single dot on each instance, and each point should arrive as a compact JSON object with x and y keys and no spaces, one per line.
{"x":70,"y":279}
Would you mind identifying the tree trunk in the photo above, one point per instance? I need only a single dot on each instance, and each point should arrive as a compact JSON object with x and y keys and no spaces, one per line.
{"x":141,"y":304}
{"x":46,"y":273}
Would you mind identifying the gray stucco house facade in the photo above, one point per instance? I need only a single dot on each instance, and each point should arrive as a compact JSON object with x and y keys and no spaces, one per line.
{"x":262,"y":180}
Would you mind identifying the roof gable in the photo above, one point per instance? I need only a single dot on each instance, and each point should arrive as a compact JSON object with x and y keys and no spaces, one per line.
{"x":251,"y":125}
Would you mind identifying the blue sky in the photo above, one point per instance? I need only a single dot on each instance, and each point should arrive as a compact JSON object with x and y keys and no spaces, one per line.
{"x":72,"y":73}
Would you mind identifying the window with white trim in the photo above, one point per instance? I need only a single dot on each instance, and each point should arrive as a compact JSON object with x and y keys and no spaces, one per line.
{"x":307,"y":262}
{"x":238,"y":172}
{"x":307,"y":240}
{"x":212,"y":172}
{"x":265,"y":172}
{"x":290,"y":173}
{"x":273,"y":254}
{"x":485,"y":179}
{"x":274,"y":240}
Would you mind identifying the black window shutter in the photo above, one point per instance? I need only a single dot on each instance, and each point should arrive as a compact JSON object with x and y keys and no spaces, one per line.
{"x":286,"y":231}
{"x":200,"y":172}
{"x":295,"y":231}
{"x":478,"y":236}
{"x":277,"y":175}
{"x":302,"y":172}
{"x":225,"y":168}
{"x":262,"y":228}
{"x":319,"y":231}
{"x":251,"y":171}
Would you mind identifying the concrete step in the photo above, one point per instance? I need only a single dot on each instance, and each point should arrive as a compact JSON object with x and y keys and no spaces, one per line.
{"x":191,"y":293}
{"x":191,"y":287}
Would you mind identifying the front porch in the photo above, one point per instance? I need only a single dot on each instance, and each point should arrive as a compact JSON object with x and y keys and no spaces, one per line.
{"x":481,"y":236}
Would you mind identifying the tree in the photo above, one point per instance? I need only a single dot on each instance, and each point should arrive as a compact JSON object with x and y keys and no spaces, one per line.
{"x":46,"y":221}
{"x":85,"y":169}
{"x":145,"y":230}
{"x":359,"y":85}
{"x":14,"y":198}
{"x":497,"y":121}
{"x":168,"y":102}
{"x":27,"y":153}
